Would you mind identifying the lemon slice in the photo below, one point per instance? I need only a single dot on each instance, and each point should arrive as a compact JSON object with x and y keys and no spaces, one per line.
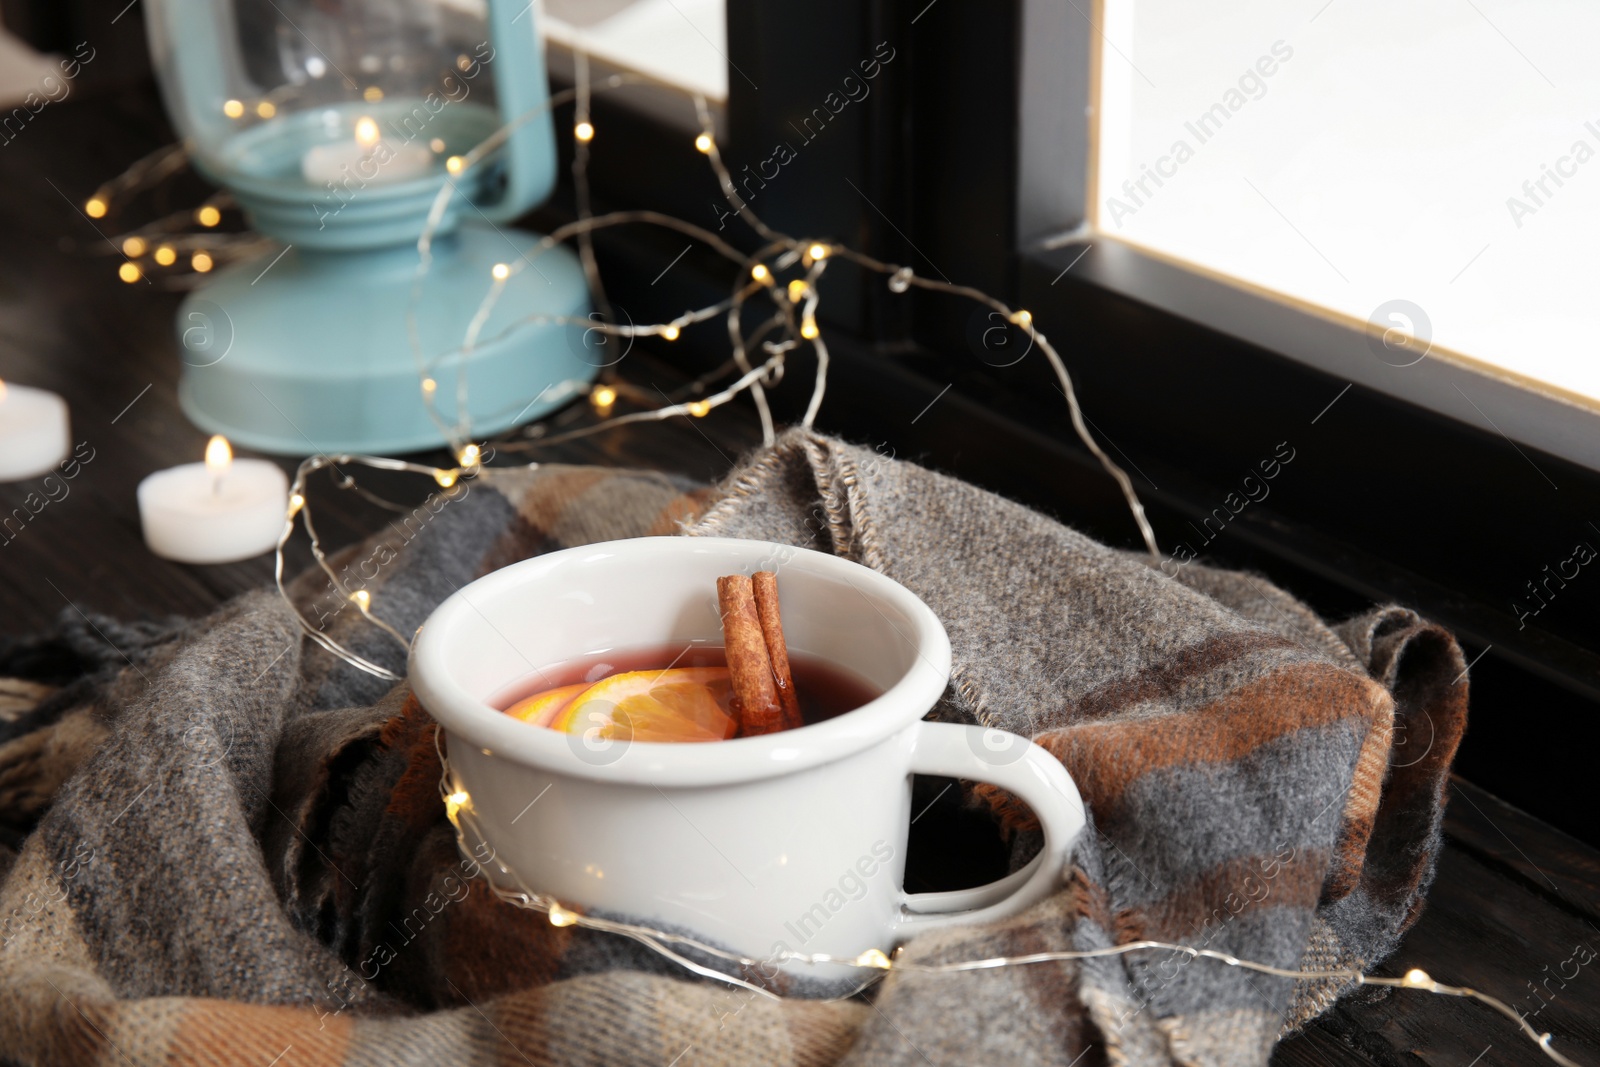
{"x":682,"y":704}
{"x":542,"y":708}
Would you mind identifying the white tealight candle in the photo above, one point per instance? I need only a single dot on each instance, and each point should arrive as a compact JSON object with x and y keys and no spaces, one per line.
{"x":218,"y":511}
{"x":33,"y":432}
{"x":367,"y":160}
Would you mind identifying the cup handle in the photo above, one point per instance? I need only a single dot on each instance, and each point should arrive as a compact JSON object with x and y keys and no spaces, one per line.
{"x":1014,"y":763}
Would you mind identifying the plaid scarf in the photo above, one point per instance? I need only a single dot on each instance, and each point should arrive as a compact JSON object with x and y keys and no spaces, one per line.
{"x":222,"y":845}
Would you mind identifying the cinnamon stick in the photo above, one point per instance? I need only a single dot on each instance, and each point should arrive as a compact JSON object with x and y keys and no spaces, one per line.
{"x":765,"y":585}
{"x":755,"y":694}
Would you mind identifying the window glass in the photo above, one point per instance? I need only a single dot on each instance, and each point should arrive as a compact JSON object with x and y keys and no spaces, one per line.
{"x":681,"y":42}
{"x":1430,"y":166}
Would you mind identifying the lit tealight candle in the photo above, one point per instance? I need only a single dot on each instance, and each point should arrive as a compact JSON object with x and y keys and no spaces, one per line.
{"x":218,"y":511}
{"x":367,"y":160}
{"x":33,"y":432}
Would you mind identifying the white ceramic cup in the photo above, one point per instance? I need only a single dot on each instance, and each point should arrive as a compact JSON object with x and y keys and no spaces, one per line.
{"x":793,"y":841}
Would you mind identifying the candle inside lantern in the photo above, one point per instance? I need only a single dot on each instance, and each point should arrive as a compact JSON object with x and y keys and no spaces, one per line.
{"x":33,"y":432}
{"x":368,"y":159}
{"x":218,"y":511}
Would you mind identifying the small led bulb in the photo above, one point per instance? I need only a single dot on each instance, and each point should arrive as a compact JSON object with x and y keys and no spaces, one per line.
{"x":669,"y":332}
{"x":469,"y":456}
{"x":760,"y":273}
{"x":704,"y":143}
{"x":134,"y":247}
{"x":233,"y":108}
{"x":602,"y":397}
{"x":362,"y":599}
{"x":454,"y":803}
{"x":454,"y":164}
{"x":501,"y":272}
{"x":560,"y":916}
{"x":1022,"y":318}
{"x":808,"y":329}
{"x":95,"y":208}
{"x":130,"y":272}
{"x":583,"y":131}
{"x":445,"y":478}
{"x":166,"y":255}
{"x":818,"y":251}
{"x":201,"y":262}
{"x":700,"y":408}
{"x":797,"y":291}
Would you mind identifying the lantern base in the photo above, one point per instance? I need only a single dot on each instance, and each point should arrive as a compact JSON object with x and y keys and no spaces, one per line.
{"x":301,"y":352}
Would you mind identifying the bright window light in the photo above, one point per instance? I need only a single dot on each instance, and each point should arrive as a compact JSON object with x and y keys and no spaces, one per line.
{"x":681,"y":42}
{"x":1433,"y":165}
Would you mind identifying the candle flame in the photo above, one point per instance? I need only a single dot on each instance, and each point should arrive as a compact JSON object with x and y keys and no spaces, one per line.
{"x":219,"y":456}
{"x":366,"y":131}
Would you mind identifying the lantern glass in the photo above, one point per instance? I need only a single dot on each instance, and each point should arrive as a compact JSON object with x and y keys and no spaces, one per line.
{"x":305,"y":103}
{"x":252,"y":80}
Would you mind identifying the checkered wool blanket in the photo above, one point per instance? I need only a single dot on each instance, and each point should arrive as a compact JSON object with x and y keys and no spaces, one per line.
{"x":222,"y":845}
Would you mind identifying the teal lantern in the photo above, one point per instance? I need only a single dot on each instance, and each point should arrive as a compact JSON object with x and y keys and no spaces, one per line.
{"x":335,"y":124}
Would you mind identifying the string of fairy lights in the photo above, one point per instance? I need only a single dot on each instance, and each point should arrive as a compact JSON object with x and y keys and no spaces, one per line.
{"x":793,"y":323}
{"x":875,"y":963}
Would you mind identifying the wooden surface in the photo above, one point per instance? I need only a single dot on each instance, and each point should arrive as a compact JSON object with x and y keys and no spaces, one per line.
{"x":1514,"y":900}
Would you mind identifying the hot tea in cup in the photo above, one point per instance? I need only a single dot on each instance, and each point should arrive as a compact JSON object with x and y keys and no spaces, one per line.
{"x":749,"y":686}
{"x":824,"y":690}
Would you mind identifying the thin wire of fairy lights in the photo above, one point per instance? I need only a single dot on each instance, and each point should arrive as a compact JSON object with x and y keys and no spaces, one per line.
{"x":757,"y":276}
{"x":794,"y":321}
{"x":458,"y":808}
{"x":762,"y":276}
